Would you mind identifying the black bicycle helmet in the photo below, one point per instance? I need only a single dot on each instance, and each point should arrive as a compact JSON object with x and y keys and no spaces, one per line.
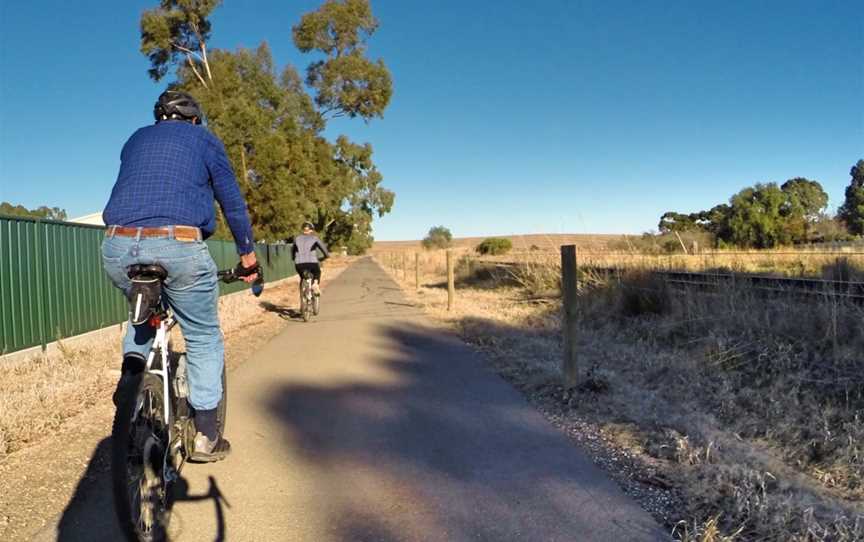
{"x":173,"y":104}
{"x":308,"y":225}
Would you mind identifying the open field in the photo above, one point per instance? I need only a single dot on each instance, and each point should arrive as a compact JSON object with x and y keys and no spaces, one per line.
{"x":541,"y":241}
{"x":730,"y":416}
{"x":616,"y":251}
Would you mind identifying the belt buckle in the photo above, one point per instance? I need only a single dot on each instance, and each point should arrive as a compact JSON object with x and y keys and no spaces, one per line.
{"x":185,"y":234}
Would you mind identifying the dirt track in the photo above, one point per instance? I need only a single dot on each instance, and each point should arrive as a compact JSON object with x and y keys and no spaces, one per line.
{"x":370,"y":424}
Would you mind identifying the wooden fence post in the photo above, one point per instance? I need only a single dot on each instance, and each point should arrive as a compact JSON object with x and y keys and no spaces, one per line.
{"x":451,"y":281}
{"x":568,"y":292}
{"x":404,"y":266}
{"x":417,"y":271}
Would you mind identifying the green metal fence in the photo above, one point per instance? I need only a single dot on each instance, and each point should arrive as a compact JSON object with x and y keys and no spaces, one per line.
{"x":52,"y":284}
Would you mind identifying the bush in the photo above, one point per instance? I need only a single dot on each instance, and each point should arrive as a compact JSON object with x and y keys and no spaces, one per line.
{"x":644,"y":293}
{"x":494,"y":246}
{"x":438,"y":237}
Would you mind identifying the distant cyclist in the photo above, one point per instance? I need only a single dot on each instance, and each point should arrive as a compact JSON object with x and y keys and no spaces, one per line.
{"x":305,"y":254}
{"x":160,"y":211}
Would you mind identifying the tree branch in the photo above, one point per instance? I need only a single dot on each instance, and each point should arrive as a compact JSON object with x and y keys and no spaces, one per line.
{"x":328,"y":110}
{"x":243,"y":165}
{"x":203,"y":46}
{"x":185,"y":50}
{"x":195,"y":70}
{"x":204,"y":55}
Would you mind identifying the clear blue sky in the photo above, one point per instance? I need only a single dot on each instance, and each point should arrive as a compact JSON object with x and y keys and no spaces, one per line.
{"x":507,"y":116}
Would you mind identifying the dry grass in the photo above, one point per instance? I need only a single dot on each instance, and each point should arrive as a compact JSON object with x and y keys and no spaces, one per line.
{"x":840,"y":265}
{"x":709,"y":531}
{"x":521,"y":243}
{"x":37,"y":394}
{"x":752,"y":407}
{"x":617,"y":251}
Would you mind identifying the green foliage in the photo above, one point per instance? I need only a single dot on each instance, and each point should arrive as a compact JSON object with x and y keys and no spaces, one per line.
{"x":438,"y":237}
{"x":804,"y":205}
{"x":51,"y":213}
{"x":760,"y":216}
{"x":717,"y":221}
{"x":272,"y":127}
{"x":852,"y":210}
{"x":714,"y":221}
{"x":346,"y":82}
{"x":176,"y":29}
{"x":494,"y":246}
{"x":672,"y":221}
{"x":755,"y":218}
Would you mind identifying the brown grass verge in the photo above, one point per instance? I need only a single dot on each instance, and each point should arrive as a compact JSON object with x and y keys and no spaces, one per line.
{"x":748,"y":410}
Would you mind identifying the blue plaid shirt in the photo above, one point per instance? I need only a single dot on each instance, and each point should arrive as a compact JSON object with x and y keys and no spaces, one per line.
{"x":170,"y":173}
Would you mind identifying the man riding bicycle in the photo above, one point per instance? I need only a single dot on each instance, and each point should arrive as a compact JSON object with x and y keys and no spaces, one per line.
{"x":305,"y":255}
{"x":160,"y":211}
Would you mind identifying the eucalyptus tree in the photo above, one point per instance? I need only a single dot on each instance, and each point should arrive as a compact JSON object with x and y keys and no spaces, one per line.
{"x":272,"y":127}
{"x":852,"y":210}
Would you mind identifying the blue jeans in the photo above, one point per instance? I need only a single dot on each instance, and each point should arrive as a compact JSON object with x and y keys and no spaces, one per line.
{"x":191,"y":290}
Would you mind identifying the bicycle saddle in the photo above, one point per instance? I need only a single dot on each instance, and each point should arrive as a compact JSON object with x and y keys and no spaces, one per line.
{"x":148,"y":271}
{"x":145,"y":294}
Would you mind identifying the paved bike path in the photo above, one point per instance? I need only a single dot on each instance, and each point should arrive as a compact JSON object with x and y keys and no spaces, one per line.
{"x":370,"y":425}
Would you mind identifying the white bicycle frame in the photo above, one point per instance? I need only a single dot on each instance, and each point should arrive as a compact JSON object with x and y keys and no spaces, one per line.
{"x":161,"y":343}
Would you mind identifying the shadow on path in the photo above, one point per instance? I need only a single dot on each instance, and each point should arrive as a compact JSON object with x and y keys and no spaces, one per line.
{"x":467,"y":457}
{"x":89,"y":515}
{"x":286,"y":313}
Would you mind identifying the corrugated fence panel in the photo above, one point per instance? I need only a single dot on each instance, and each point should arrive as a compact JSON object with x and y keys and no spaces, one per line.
{"x":275,"y":259}
{"x":52,"y":284}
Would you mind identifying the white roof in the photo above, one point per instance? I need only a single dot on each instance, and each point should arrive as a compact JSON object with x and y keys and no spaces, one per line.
{"x":92,"y":218}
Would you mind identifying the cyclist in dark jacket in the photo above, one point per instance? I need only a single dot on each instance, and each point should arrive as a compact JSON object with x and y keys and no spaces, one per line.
{"x":160,"y":211}
{"x":305,"y":253}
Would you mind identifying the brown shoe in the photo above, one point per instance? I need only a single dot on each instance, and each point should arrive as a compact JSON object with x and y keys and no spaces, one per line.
{"x":207,"y":451}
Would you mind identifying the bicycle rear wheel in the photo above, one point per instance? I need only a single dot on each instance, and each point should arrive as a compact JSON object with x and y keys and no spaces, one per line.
{"x":306,"y":300}
{"x":139,"y":438}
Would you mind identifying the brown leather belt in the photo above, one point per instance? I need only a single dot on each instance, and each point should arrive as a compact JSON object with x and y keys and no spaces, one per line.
{"x":180,"y":233}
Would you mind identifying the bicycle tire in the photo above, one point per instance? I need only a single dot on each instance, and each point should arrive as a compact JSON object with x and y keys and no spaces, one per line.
{"x":134,"y":448}
{"x":305,"y":295}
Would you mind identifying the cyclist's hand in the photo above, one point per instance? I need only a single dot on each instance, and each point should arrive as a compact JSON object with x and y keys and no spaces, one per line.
{"x":249,"y":261}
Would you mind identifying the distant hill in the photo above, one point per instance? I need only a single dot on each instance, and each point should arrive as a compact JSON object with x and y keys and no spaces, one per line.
{"x":542,"y":241}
